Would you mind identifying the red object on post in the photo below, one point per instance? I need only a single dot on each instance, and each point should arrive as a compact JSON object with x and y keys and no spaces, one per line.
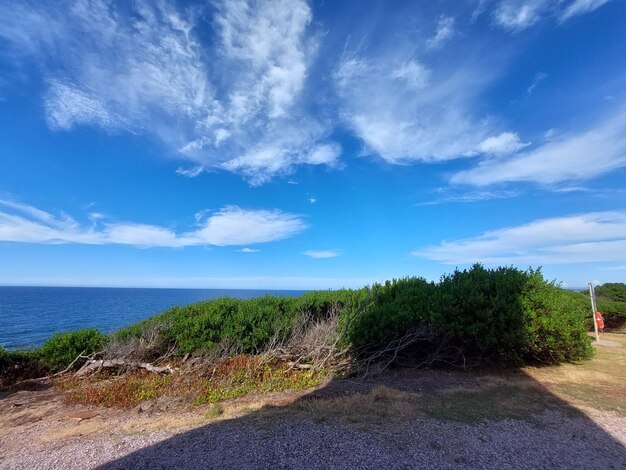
{"x":599,"y":321}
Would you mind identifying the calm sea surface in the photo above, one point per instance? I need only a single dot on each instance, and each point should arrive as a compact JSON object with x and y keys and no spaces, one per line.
{"x":30,"y":315}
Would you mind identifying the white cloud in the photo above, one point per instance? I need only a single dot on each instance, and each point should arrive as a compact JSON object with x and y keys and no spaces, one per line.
{"x":225,"y":101}
{"x":268,"y":38}
{"x":312,"y":200}
{"x":233,"y":225}
{"x":249,"y":250}
{"x":413,"y":74}
{"x":598,"y":237}
{"x":502,"y":144}
{"x":539,"y":77}
{"x":517,"y":15}
{"x":325,"y":154}
{"x":323,"y":254}
{"x":579,"y":7}
{"x":445,"y":30}
{"x":190,"y":172}
{"x":452,"y":196}
{"x":230,"y":225}
{"x":565,"y":158}
{"x":405,"y":112}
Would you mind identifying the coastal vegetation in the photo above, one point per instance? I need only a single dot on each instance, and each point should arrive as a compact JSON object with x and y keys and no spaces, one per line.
{"x":225,"y":348}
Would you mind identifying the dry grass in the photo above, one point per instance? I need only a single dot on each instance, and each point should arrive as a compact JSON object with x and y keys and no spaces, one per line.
{"x":598,"y":384}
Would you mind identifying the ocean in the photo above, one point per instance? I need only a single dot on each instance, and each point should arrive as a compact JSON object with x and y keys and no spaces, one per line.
{"x":30,"y":315}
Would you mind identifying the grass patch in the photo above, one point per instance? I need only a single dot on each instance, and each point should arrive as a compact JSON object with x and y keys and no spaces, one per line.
{"x":240,"y":375}
{"x":494,"y":403}
{"x":232,"y":378}
{"x":121,"y":392}
{"x":489,"y":402}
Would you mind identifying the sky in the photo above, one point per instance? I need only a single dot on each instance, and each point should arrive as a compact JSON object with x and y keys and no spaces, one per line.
{"x":286,"y":144}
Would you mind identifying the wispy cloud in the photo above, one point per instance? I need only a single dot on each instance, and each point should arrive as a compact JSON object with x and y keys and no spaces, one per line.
{"x":538,"y":78}
{"x":403,"y":114}
{"x":574,"y":157}
{"x":449,"y":195}
{"x":517,"y":15}
{"x":579,"y":7}
{"x":597,"y":237}
{"x":445,"y":30}
{"x":248,"y":250}
{"x":148,"y":72}
{"x":230,"y":225}
{"x":323,"y":254}
{"x":502,"y":144}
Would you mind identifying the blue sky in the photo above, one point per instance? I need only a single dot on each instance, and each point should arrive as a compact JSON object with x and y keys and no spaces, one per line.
{"x":294,"y":144}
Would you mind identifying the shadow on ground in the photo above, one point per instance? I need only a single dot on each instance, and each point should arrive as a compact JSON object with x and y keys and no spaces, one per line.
{"x":403,"y":419}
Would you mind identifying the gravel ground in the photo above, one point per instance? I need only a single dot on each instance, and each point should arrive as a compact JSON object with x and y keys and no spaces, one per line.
{"x":550,"y":439}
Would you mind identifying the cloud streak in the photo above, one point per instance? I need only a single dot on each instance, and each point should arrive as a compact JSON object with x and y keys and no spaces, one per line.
{"x":228,"y":226}
{"x":576,"y":157}
{"x":517,"y":15}
{"x":321,"y":254}
{"x":597,"y":237}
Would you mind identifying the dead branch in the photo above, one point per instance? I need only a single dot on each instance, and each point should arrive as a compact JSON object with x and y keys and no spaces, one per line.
{"x":100,"y":364}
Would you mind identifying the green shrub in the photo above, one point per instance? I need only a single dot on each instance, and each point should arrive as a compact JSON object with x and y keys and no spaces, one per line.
{"x":612,"y":291}
{"x":556,"y":323}
{"x":482,"y":308}
{"x":388,"y":311}
{"x":611,"y":301}
{"x":62,"y":348}
{"x":246,"y":324}
{"x":500,"y":316}
{"x":20,"y":365}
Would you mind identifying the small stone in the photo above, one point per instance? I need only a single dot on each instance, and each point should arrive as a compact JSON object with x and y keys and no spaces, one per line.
{"x":81,"y":415}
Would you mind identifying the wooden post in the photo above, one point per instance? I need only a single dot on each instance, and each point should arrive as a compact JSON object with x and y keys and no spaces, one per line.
{"x":592,"y":295}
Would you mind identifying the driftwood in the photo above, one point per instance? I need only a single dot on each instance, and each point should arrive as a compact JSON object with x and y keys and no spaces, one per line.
{"x":295,"y":365}
{"x":122,"y":364}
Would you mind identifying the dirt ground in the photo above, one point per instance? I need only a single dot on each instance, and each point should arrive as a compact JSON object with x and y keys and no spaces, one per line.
{"x":570,"y":416}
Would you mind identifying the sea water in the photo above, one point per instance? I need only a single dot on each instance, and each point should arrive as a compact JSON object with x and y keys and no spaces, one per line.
{"x":30,"y":315}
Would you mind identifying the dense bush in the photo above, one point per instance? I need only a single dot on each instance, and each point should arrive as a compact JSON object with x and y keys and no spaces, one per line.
{"x":611,"y":300}
{"x":555,"y":322}
{"x":246,"y":325}
{"x":482,"y":307}
{"x":388,"y":311}
{"x":62,"y":348}
{"x":500,"y":316}
{"x":614,"y":291}
{"x":19,"y":365}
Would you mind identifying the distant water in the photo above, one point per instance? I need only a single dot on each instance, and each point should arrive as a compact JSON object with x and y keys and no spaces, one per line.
{"x":30,"y":315}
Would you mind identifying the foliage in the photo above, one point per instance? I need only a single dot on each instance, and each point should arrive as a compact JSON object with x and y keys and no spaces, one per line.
{"x":555,"y":323}
{"x":389,"y":310}
{"x":62,"y":348}
{"x":246,"y":325}
{"x":502,"y":316}
{"x":614,"y":291}
{"x":611,"y":299}
{"x":481,"y":307}
{"x":19,"y":365}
